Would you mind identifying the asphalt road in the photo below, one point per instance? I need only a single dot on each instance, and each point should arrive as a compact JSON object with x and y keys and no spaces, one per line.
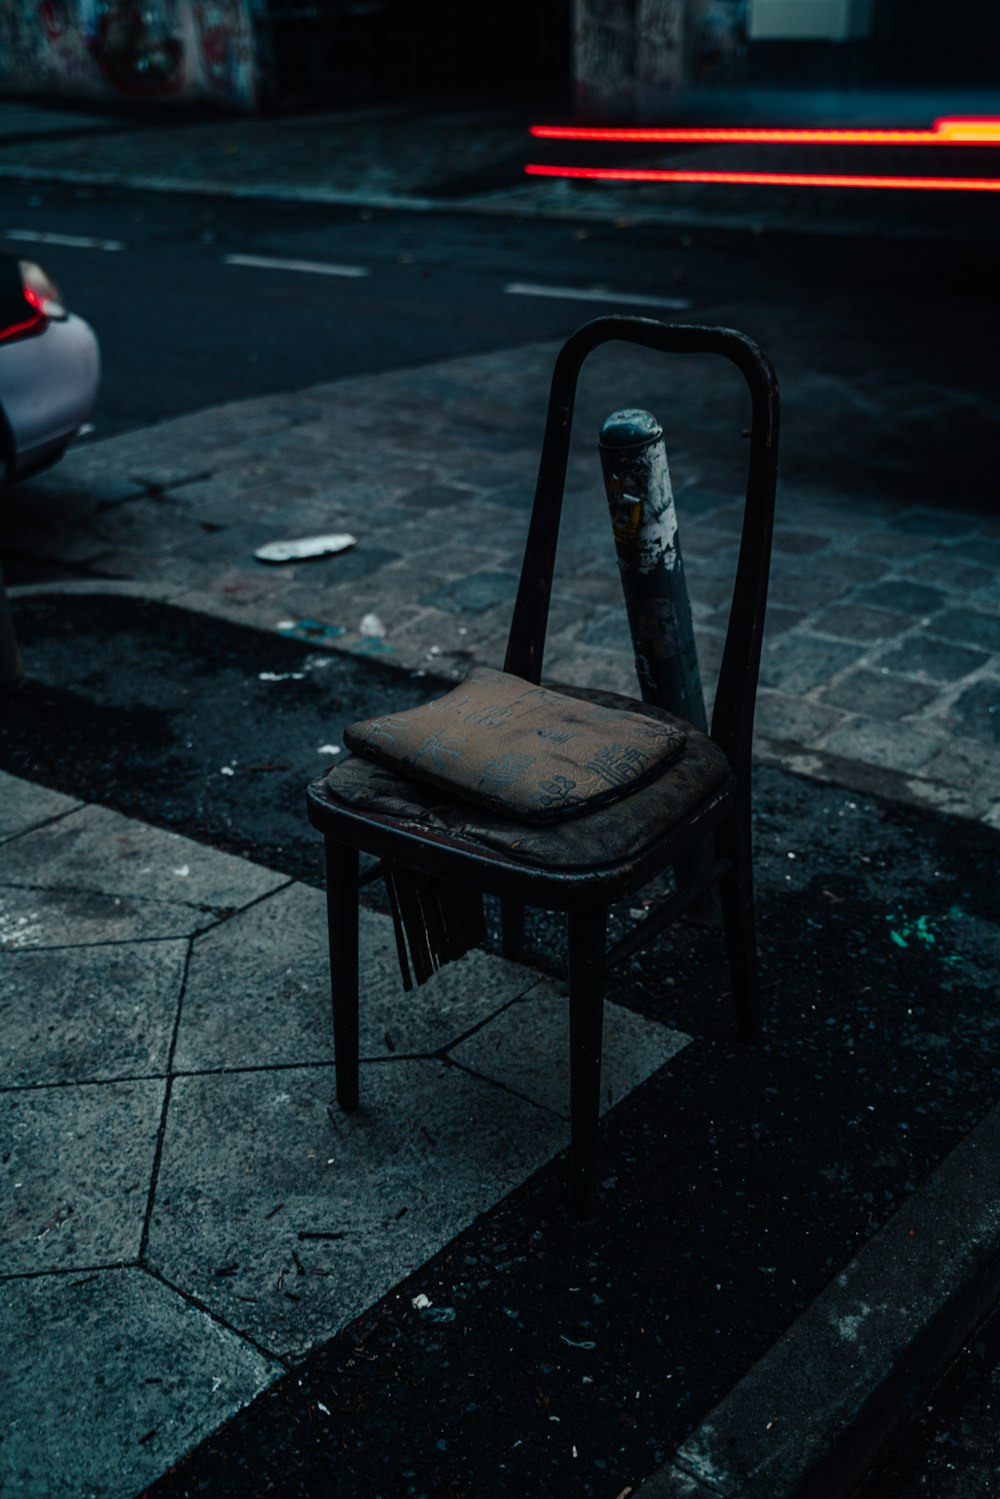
{"x":199,"y":302}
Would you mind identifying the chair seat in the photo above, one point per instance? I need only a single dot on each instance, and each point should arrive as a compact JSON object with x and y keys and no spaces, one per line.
{"x":609,"y":835}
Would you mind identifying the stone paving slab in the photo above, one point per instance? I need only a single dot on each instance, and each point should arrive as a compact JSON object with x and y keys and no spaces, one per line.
{"x":431,"y":1146}
{"x":262,"y":1174}
{"x":97,"y":1013}
{"x":24,"y":805}
{"x":133,"y":1377}
{"x":526,"y":1049}
{"x":258,"y":991}
{"x":288,"y":1217}
{"x":96,"y":876}
{"x":74,"y":1187}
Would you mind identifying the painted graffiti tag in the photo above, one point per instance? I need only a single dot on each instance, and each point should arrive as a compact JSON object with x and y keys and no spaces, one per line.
{"x":142,"y":49}
{"x":138,"y":50}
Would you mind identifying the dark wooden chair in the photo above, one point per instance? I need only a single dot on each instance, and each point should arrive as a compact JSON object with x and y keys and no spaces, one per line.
{"x":586,"y":893}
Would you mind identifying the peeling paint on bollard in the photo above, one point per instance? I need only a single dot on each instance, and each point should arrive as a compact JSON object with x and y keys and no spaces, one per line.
{"x":644,"y":521}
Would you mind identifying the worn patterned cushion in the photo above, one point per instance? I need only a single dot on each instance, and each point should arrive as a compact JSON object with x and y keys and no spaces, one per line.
{"x":527,"y":752}
{"x":607,"y":835}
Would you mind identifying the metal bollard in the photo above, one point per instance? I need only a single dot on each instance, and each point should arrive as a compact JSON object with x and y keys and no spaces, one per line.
{"x":11,"y":671}
{"x":637,"y":480}
{"x":644,"y":521}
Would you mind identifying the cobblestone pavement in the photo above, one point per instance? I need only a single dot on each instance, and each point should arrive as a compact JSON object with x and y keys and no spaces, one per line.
{"x":881,"y":667}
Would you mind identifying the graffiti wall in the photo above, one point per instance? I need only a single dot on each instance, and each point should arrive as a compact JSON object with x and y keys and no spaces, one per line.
{"x":130,"y":49}
{"x":631,"y":57}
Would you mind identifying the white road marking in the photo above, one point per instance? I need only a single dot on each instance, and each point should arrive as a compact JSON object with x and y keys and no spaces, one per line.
{"x":74,"y":241}
{"x":594,"y":294}
{"x":317,"y":267}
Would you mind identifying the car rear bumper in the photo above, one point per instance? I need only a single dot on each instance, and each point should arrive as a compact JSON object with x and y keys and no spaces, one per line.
{"x":48,"y":386}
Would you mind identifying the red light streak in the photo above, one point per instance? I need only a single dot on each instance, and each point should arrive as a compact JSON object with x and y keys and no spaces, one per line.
{"x":947,"y":131}
{"x":771,"y":179}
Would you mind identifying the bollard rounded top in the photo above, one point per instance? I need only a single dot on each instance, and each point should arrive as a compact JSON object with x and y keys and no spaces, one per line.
{"x":630,"y":428}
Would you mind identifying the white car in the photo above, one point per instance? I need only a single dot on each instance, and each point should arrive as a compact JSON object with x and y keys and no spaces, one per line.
{"x":50,"y":368}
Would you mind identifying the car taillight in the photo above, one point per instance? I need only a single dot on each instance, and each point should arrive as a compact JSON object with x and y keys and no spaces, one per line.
{"x":29,"y":300}
{"x":40,"y":291}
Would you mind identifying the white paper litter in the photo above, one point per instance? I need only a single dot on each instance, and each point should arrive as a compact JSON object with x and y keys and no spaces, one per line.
{"x":304,"y":547}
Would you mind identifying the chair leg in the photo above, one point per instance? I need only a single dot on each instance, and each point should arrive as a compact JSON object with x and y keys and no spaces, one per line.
{"x":342,"y":919}
{"x":732,"y":841}
{"x":587,"y":933}
{"x":512,"y":924}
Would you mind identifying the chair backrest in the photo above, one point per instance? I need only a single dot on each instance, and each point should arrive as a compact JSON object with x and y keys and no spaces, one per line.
{"x":732,"y":717}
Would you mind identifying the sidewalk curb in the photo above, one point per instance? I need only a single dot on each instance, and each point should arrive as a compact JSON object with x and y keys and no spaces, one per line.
{"x":206,"y":187}
{"x":812,"y":1414}
{"x":679,"y":219}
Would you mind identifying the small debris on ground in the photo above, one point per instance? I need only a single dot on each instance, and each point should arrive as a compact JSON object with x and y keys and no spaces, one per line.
{"x":313,"y":629}
{"x":305,"y":548}
{"x":439,"y":1313}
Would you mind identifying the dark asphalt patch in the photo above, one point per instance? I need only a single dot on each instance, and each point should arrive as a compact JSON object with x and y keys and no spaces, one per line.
{"x":735,"y":1183}
{"x":210,"y":729}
